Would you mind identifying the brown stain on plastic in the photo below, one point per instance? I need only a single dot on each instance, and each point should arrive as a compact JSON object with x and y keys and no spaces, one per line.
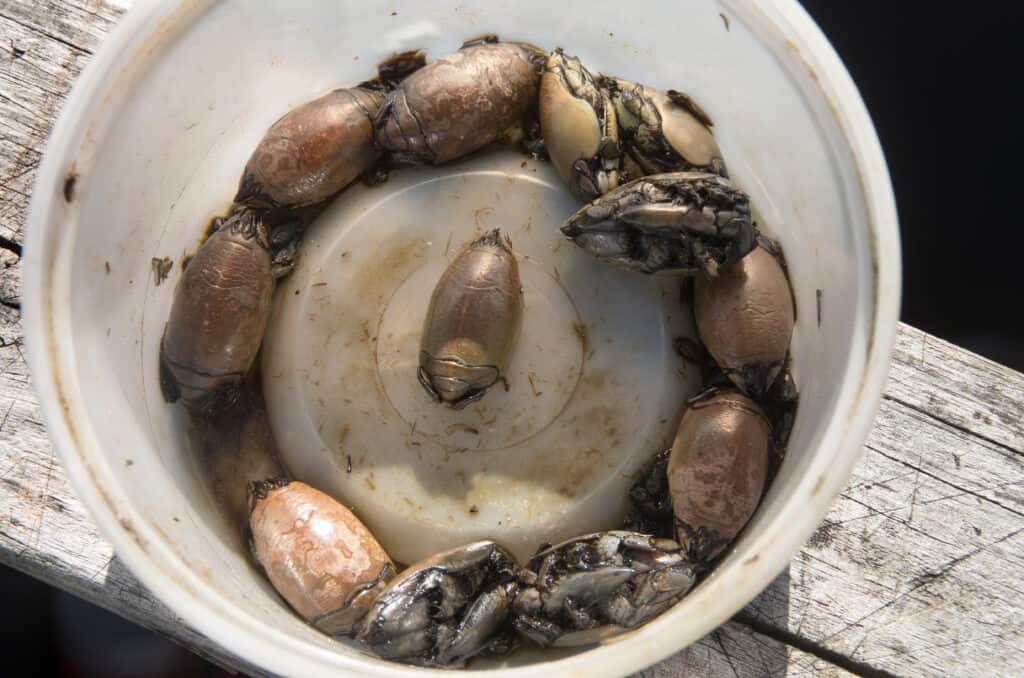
{"x":372,"y":286}
{"x":70,"y":181}
{"x":597,"y":432}
{"x":379,"y":279}
{"x":578,"y":472}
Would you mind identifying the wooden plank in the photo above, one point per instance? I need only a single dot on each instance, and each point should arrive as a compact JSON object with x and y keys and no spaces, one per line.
{"x":916,"y":568}
{"x":959,"y":388}
{"x":737,"y":651}
{"x":10,"y":279}
{"x":80,"y":24}
{"x":44,"y":532}
{"x":44,"y":47}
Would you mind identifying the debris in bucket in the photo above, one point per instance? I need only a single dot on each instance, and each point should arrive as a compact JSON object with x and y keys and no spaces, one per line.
{"x":161,"y":269}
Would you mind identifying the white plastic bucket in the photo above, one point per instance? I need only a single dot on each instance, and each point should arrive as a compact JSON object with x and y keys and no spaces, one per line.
{"x":151,"y":145}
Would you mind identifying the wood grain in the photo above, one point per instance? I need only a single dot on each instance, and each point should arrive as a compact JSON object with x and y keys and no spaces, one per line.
{"x":916,"y":570}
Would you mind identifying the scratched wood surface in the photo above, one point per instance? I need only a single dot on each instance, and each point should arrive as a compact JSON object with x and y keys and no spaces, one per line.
{"x":917,"y":569}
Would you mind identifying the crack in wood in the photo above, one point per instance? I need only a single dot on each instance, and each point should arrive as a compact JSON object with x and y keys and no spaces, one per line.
{"x":957,"y":387}
{"x":44,"y":33}
{"x":10,"y":245}
{"x":946,"y":422}
{"x":811,"y":647}
{"x":943,"y":570}
{"x":888,"y":514}
{"x":717,"y":637}
{"x":961,"y":489}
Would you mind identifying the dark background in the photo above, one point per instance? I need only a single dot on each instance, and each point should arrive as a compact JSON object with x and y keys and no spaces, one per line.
{"x":941,"y":86}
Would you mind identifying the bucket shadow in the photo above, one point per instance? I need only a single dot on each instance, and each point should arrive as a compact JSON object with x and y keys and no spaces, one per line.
{"x":735,"y":648}
{"x":124,"y":595}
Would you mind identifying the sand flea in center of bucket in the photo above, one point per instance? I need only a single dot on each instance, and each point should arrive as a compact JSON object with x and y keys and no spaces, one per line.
{"x":593,"y":385}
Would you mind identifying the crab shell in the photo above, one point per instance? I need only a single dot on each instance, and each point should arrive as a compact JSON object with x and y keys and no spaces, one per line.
{"x":459,"y":103}
{"x":317,"y":554}
{"x":595,"y":586}
{"x":663,"y":131}
{"x":650,"y":501}
{"x":578,"y":124}
{"x":677,"y":223}
{"x":444,"y":609}
{"x":218,"y":317}
{"x":717,"y":470}
{"x":471,"y":325}
{"x":745,"y":318}
{"x":313,"y":151}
